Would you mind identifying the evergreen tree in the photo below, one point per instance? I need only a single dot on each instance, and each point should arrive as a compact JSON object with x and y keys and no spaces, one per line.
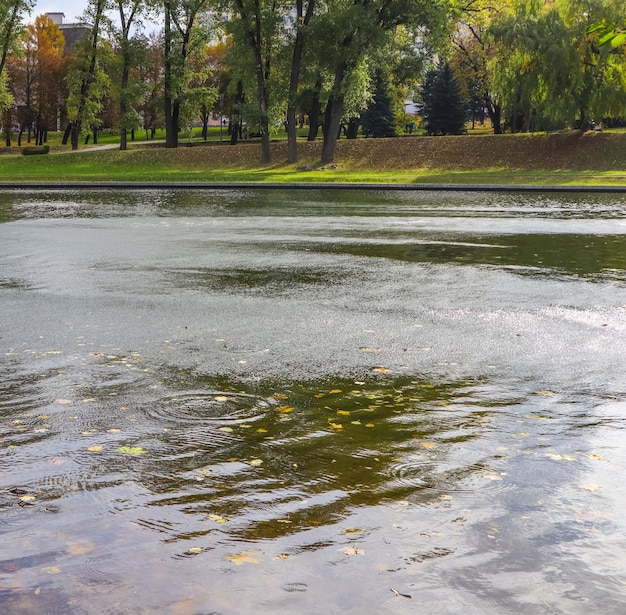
{"x":379,"y":118}
{"x":445,"y":111}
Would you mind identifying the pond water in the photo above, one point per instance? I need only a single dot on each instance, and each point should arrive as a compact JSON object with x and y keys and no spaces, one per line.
{"x":261,"y":402}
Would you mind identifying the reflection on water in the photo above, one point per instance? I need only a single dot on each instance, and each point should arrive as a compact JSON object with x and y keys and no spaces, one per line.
{"x":289,"y":412}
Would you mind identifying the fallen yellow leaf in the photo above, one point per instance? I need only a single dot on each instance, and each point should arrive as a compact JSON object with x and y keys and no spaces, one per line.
{"x":245,"y":557}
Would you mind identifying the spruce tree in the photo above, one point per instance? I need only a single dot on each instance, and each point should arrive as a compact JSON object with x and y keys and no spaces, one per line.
{"x":445,"y":111}
{"x":379,"y":118}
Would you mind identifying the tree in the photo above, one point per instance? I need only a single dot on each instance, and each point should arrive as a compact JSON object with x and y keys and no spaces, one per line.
{"x":87,"y":80}
{"x":11,"y":12}
{"x":257,"y":30}
{"x":180,"y":37}
{"x":129,"y":49}
{"x":351,"y":31}
{"x":379,"y":118}
{"x":444,"y":107}
{"x":474,"y":51}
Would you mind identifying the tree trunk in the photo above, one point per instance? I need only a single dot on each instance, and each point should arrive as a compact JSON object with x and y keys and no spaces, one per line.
{"x":315,"y":112}
{"x":171,"y":123}
{"x":292,"y":126}
{"x":332,"y":125}
{"x":353,"y":128}
{"x":67,"y":134}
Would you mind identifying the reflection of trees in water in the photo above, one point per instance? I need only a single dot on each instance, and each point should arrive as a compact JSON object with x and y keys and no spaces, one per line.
{"x":274,"y":458}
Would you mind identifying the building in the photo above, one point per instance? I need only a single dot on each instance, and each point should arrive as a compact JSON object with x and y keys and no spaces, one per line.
{"x":72,"y":32}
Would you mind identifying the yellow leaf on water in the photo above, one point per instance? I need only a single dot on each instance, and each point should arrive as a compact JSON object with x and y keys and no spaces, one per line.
{"x":282,"y":556}
{"x":279,"y":396}
{"x":337,"y":426}
{"x":194,"y":550}
{"x":221,"y":398}
{"x":80,"y":548}
{"x":382,"y":370}
{"x":27,"y":498}
{"x":114,"y":430}
{"x":355,"y":422}
{"x":335,"y":391}
{"x":226,"y":429}
{"x":343,"y":412}
{"x":256,"y":462}
{"x":370,"y":425}
{"x":261,"y":430}
{"x":245,"y":557}
{"x":95,"y":449}
{"x":131,"y":450}
{"x":284,"y":409}
{"x":428,"y":445}
{"x":218,"y":518}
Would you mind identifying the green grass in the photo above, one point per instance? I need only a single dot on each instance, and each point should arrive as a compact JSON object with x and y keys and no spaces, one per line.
{"x":356,"y":164}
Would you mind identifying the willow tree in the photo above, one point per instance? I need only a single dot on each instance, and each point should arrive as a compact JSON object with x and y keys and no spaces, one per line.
{"x":548,"y":73}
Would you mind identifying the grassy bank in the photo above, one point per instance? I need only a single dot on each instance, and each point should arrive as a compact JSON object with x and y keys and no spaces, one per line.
{"x":557,"y":159}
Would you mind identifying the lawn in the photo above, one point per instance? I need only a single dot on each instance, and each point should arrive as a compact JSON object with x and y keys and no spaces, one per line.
{"x":572,"y":158}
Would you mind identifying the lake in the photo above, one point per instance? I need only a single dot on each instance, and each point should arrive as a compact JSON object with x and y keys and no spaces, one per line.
{"x":314,"y":401}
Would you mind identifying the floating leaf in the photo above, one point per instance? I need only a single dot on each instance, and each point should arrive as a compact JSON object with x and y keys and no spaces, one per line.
{"x":355,"y":423}
{"x":343,"y":412}
{"x":428,"y":445}
{"x":370,"y":425}
{"x":131,"y":450}
{"x":80,"y":548}
{"x":558,"y":457}
{"x":226,"y":429}
{"x":195,"y":550}
{"x":591,"y":487}
{"x":261,"y":430}
{"x":382,"y":370}
{"x":278,"y":396}
{"x":256,"y":462}
{"x":245,"y":557}
{"x":218,"y":518}
{"x":492,"y":476}
{"x":114,"y":430}
{"x":353,"y":551}
{"x":335,"y":391}
{"x":337,"y":426}
{"x":95,"y":449}
{"x":282,"y":556}
{"x":27,"y":498}
{"x":284,"y":409}
{"x":595,"y":457}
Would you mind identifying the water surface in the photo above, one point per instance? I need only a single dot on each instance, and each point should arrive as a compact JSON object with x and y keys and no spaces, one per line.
{"x":312,"y":402}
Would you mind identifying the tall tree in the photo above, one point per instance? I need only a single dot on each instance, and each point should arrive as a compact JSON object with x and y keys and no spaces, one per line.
{"x":379,"y":118}
{"x":444,"y":107}
{"x":85,"y":92}
{"x":353,"y":29}
{"x":11,"y":12}
{"x":303,"y":19}
{"x":128,"y":11}
{"x":259,"y":30}
{"x":181,"y":17}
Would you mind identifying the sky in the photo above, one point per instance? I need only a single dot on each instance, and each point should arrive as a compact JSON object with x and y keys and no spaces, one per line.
{"x":72,"y":8}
